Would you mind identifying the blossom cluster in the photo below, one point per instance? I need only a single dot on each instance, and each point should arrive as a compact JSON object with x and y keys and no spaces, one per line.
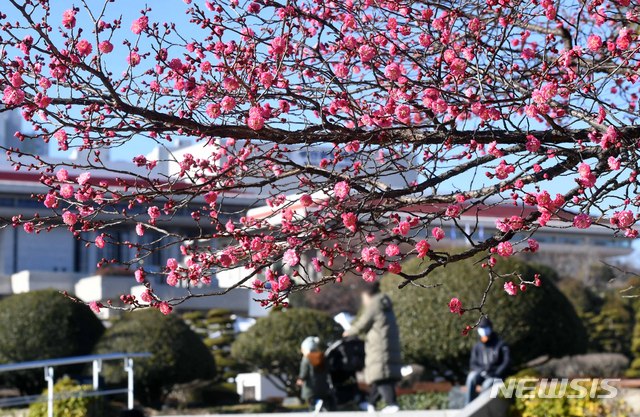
{"x":370,"y":130}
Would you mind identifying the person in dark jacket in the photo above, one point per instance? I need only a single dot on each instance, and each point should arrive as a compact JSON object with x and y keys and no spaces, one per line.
{"x":489,"y":360}
{"x":313,"y":377}
{"x":383,"y":359}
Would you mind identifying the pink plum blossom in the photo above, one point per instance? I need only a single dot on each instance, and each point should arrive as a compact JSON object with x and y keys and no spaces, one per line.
{"x":369,"y":253}
{"x":153,"y":212}
{"x":510,"y":288}
{"x":84,"y":47}
{"x":84,"y":178}
{"x":99,"y":242}
{"x":582,"y":221}
{"x":306,"y":200}
{"x":350,"y":221}
{"x":140,"y":24}
{"x":284,"y":282}
{"x":437,"y":233}
{"x":505,"y":249}
{"x":393,"y":71}
{"x":105,"y":47}
{"x":455,"y":306}
{"x":367,"y":53}
{"x":12,"y":96}
{"x":62,"y":175}
{"x":368,"y":275}
{"x":614,"y":163}
{"x":28,"y":227}
{"x":255,"y":120}
{"x":623,"y":219}
{"x":594,"y":42}
{"x":69,"y":18}
{"x":50,"y":201}
{"x":392,"y":250}
{"x":165,"y":308}
{"x":422,"y":248}
{"x":291,"y":257}
{"x":172,"y":264}
{"x":67,"y":190}
{"x":69,"y":218}
{"x":533,"y":143}
{"x":139,"y":275}
{"x":341,"y":190}
{"x":133,"y":59}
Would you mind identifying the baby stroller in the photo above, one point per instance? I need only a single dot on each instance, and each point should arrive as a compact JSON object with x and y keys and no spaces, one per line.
{"x":344,"y":358}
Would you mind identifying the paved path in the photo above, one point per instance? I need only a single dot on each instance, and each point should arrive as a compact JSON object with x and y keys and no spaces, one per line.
{"x":419,"y":413}
{"x":483,"y":406}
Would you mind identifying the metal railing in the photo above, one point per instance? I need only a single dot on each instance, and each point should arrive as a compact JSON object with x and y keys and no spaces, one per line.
{"x":96,"y":360}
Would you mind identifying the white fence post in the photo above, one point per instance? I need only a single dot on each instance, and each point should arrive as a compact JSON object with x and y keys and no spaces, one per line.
{"x":128,"y":366}
{"x":48,"y":376}
{"x":97,"y":367}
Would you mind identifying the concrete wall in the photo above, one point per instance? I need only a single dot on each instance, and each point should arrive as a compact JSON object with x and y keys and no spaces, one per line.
{"x":103,"y":287}
{"x":46,"y":251}
{"x":238,"y":300}
{"x":26,"y":281}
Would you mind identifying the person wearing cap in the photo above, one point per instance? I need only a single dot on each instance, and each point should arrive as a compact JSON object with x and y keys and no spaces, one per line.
{"x":489,"y":360}
{"x":383,"y":359}
{"x":314,"y":378}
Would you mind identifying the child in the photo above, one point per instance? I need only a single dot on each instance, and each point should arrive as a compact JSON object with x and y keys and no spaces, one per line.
{"x":314,"y":378}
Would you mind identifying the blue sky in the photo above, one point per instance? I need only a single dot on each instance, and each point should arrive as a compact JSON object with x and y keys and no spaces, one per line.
{"x":171,"y":11}
{"x":162,"y":11}
{"x":174,"y":11}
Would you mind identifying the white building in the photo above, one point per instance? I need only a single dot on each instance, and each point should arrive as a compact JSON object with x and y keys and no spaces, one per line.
{"x":57,"y":260}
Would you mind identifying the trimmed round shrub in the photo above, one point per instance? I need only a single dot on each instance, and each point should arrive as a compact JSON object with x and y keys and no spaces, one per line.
{"x":44,"y":325}
{"x":634,"y":369}
{"x":606,"y":315}
{"x":540,"y":321}
{"x":73,"y":403}
{"x":559,"y":400}
{"x":178,"y":354}
{"x":216,"y":328}
{"x":582,"y":296}
{"x":272,"y":345}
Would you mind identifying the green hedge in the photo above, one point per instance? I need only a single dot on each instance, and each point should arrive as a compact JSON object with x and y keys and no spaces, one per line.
{"x":607,"y":316}
{"x":43,"y":325}
{"x":424,"y":401}
{"x":539,"y":322}
{"x":74,"y":405}
{"x":566,"y":406}
{"x":179,"y":356}
{"x":634,"y":369}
